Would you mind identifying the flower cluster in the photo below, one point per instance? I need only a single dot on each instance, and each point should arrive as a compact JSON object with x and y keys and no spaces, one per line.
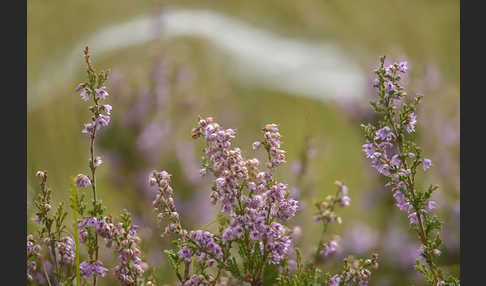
{"x":96,"y":268}
{"x":33,"y":252}
{"x":252,"y":200}
{"x":164,"y":203}
{"x":329,"y":248}
{"x":272,"y":143}
{"x":96,"y":90}
{"x":326,"y":215}
{"x":355,"y":272}
{"x":130,"y":268}
{"x":121,"y":235}
{"x":62,"y":250}
{"x":265,"y":200}
{"x":395,"y":155}
{"x":65,"y":247}
{"x":52,"y":232}
{"x":105,"y":229}
{"x":206,"y":246}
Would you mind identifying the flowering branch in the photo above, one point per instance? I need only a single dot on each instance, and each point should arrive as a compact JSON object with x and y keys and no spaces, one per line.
{"x":395,"y":155}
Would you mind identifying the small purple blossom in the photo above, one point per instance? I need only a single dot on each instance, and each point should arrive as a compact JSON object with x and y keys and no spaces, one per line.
{"x":79,"y":87}
{"x":368,"y":149}
{"x":82,"y":181}
{"x":384,"y":134}
{"x":403,"y":67}
{"x":101,"y":93}
{"x":88,"y":128}
{"x":185,"y":253}
{"x":345,"y":201}
{"x":102,"y":120}
{"x":84,"y":95}
{"x":107,"y":108}
{"x":376,"y":82}
{"x":426,"y":163}
{"x":329,"y":248}
{"x":334,"y":281}
{"x":390,"y":87}
{"x":413,"y":218}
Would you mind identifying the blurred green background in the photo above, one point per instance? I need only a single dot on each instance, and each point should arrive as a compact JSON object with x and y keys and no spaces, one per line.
{"x":167,"y":81}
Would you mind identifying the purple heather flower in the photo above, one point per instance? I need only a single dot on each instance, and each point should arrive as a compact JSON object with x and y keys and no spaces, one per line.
{"x":344,"y":202}
{"x":82,"y":181}
{"x":102,"y":120}
{"x":384,"y":134}
{"x":412,"y":121}
{"x":101,"y":93}
{"x":287,"y":209}
{"x":88,"y":127}
{"x":430,"y":205}
{"x":79,"y":87}
{"x":368,"y":149}
{"x":375,"y":83}
{"x":344,"y":190}
{"x":88,"y":269}
{"x":329,"y":248}
{"x":395,"y":161}
{"x":402,"y":204}
{"x":403,"y":67}
{"x":85,"y":268}
{"x":36,"y":219}
{"x":84,"y":95}
{"x":98,"y":161}
{"x":185,"y":253}
{"x":383,"y":169}
{"x":413,"y":218}
{"x":334,"y":281}
{"x":66,"y":249}
{"x":227,"y":235}
{"x":389,"y":86}
{"x":98,"y":269}
{"x":426,"y":163}
{"x":107,"y":109}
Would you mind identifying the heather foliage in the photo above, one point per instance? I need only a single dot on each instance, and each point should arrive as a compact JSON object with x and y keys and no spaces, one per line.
{"x":253,"y":239}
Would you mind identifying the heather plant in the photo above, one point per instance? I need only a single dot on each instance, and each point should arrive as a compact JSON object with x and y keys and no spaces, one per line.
{"x":62,"y":252}
{"x":252,"y":244}
{"x":391,"y":147}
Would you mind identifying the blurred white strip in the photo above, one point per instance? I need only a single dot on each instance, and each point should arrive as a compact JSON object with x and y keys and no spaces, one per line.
{"x":255,"y":57}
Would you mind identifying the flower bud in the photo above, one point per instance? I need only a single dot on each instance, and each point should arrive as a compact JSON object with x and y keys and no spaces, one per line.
{"x":152,"y":181}
{"x":256,"y":145}
{"x":174,"y":215}
{"x":82,"y":181}
{"x":40,"y":174}
{"x":436,"y":252}
{"x":203,"y":172}
{"x":324,"y":205}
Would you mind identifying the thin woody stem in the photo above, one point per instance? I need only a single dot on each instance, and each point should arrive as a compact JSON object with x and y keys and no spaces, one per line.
{"x":422,"y":234}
